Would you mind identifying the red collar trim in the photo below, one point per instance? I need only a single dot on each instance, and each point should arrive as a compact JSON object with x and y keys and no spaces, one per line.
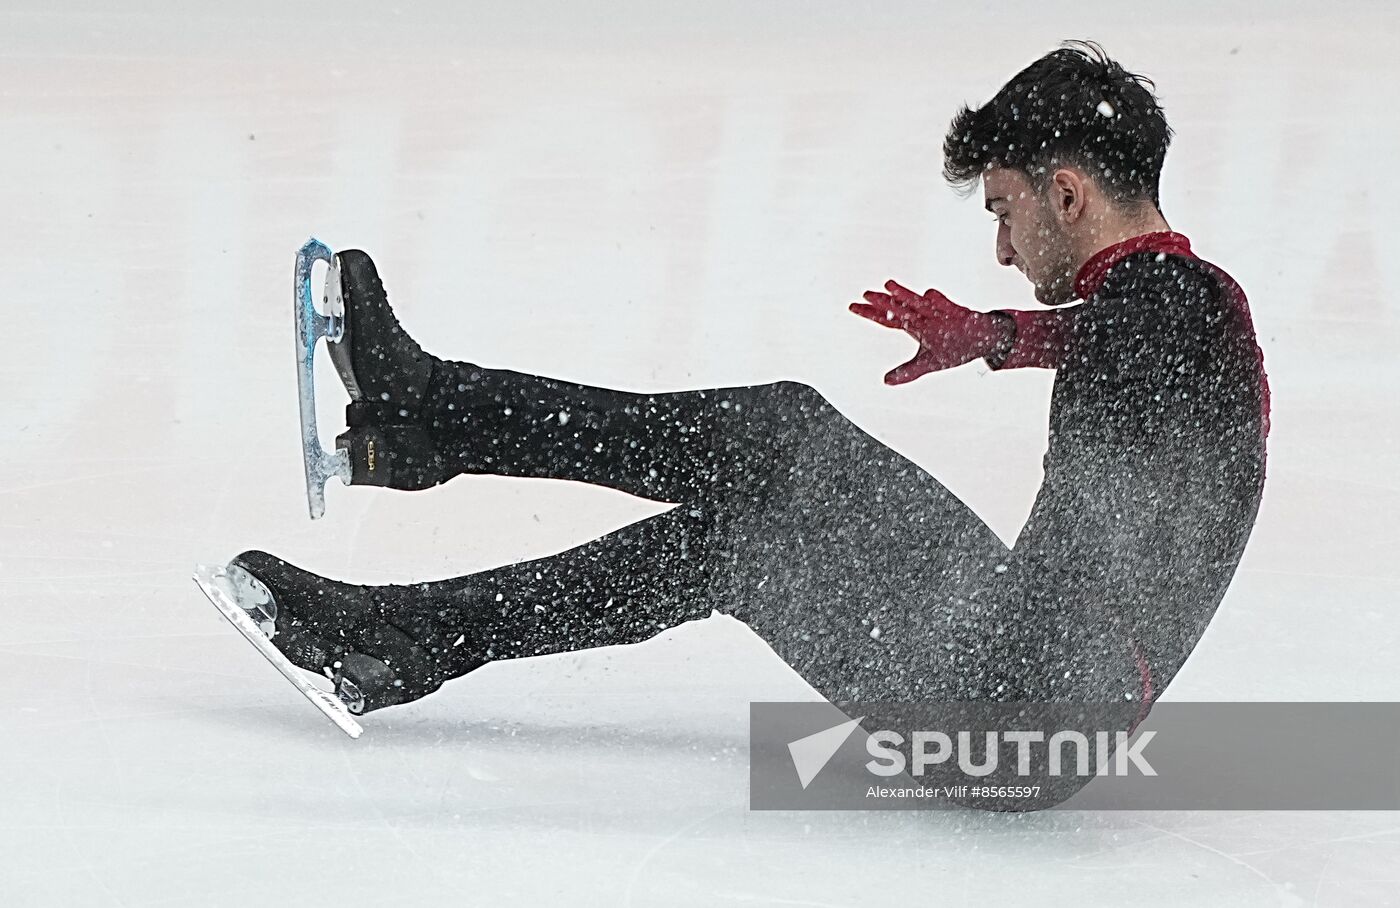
{"x":1091,"y":276}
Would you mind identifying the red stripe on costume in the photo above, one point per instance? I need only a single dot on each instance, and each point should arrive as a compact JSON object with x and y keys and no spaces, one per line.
{"x":1149,"y":692}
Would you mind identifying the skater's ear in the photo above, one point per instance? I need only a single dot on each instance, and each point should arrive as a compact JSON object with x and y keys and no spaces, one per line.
{"x":1068,"y":192}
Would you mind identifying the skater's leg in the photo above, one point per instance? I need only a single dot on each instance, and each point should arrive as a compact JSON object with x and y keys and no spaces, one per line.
{"x":401,"y":642}
{"x":684,"y":446}
{"x":859,"y":569}
{"x":621,"y":588}
{"x":416,"y":420}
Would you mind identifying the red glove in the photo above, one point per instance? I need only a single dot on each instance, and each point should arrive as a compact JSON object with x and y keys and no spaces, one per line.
{"x":948,"y":334}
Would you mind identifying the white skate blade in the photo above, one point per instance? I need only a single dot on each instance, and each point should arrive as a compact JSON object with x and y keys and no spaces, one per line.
{"x":214,"y":581}
{"x":312,"y":324}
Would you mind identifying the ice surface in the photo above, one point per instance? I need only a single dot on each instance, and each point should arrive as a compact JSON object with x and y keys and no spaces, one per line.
{"x":687,"y":200}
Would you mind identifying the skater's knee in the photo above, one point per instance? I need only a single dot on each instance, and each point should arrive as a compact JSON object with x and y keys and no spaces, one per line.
{"x":798,"y":398}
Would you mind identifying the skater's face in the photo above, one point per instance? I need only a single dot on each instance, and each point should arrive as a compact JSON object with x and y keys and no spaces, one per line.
{"x":1034,"y":229}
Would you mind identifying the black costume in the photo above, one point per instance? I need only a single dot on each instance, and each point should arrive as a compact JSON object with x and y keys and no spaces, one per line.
{"x":861,"y":570}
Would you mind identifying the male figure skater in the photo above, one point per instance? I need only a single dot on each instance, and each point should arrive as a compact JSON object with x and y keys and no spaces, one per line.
{"x":860,"y":570}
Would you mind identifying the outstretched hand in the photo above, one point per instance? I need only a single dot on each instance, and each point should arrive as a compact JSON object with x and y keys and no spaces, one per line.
{"x":948,"y":334}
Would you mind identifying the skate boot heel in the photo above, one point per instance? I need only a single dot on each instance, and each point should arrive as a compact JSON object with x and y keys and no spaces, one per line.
{"x":312,"y":325}
{"x":349,"y":693}
{"x":391,"y":457}
{"x":364,"y":684}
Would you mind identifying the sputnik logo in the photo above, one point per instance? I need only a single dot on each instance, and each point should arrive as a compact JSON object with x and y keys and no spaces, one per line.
{"x":811,"y":754}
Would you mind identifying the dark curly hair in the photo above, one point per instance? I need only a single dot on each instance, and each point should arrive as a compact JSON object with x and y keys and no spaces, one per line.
{"x":1072,"y":106}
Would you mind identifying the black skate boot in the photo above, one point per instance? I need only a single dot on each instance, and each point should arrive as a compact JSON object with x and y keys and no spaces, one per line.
{"x":386,"y":374}
{"x":379,"y":645}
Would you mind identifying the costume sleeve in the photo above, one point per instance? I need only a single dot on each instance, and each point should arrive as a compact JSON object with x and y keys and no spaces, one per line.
{"x":1039,"y":339}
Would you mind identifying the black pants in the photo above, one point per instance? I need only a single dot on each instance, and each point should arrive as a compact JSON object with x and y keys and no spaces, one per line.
{"x":858,"y":568}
